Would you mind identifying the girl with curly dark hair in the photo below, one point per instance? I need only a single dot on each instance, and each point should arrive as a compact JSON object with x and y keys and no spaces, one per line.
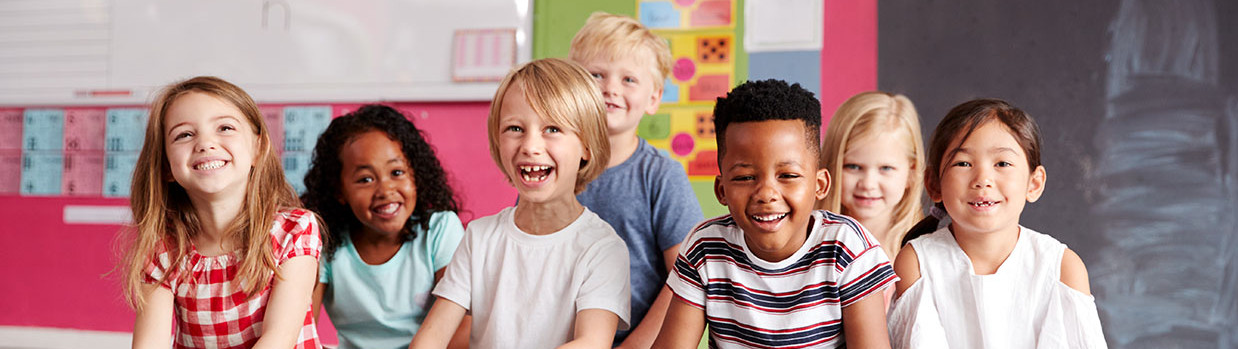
{"x":392,"y":221}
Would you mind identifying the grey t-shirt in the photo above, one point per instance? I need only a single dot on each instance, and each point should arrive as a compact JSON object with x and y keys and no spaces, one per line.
{"x":650,"y":204}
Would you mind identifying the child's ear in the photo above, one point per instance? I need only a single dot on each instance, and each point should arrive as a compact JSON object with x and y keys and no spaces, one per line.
{"x":823,"y":183}
{"x":652,"y":108}
{"x":719,"y":190}
{"x":933,"y":190}
{"x":1036,"y":184}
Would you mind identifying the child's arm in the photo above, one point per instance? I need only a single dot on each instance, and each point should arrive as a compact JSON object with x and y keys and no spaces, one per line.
{"x":683,"y":328}
{"x":316,"y":299}
{"x":643,"y":335}
{"x":440,"y":323}
{"x":1074,"y":273}
{"x":459,"y":340}
{"x":290,"y":297}
{"x":595,"y":328}
{"x":864,"y":323}
{"x":907,"y":267}
{"x":153,"y":325}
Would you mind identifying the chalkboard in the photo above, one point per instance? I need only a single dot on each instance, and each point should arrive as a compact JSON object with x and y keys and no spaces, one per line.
{"x":109,"y":52}
{"x":1138,"y":104}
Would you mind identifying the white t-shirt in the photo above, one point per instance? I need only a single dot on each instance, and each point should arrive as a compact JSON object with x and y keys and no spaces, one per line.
{"x":524,"y":290}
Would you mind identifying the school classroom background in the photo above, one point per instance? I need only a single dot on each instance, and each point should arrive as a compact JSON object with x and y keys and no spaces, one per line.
{"x":1137,"y":99}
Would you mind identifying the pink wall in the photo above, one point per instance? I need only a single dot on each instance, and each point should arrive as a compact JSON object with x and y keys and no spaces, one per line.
{"x":848,"y":53}
{"x":56,"y":274}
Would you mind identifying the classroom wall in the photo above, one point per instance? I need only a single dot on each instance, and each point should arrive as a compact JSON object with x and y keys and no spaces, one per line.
{"x":1136,"y":101}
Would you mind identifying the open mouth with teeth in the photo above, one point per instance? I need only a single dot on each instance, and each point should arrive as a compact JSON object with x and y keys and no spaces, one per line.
{"x":983,"y":204}
{"x":210,"y":165}
{"x":768,"y":217}
{"x":386,"y":209}
{"x":612,"y":106}
{"x":535,"y":173}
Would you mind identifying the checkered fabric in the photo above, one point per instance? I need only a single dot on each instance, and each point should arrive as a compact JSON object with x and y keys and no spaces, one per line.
{"x":211,"y":308}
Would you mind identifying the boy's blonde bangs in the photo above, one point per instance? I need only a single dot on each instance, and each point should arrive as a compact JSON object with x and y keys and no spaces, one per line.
{"x":564,"y":94}
{"x":611,"y":37}
{"x":869,"y":113}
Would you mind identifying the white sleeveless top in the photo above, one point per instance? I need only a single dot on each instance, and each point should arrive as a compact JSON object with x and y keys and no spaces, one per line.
{"x":1023,"y":305}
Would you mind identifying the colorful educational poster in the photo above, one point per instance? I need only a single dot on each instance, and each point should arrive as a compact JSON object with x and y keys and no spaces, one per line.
{"x":83,"y":173}
{"x":118,"y":173}
{"x":10,"y":172}
{"x":84,"y":129}
{"x":125,"y":129}
{"x":40,"y":172}
{"x":703,"y":67}
{"x":296,"y":165}
{"x":303,"y":125}
{"x":43,"y":129}
{"x":274,"y":117}
{"x":687,"y":14}
{"x":10,"y":129}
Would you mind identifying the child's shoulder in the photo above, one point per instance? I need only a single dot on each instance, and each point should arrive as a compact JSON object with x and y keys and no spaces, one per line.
{"x":842,"y":229}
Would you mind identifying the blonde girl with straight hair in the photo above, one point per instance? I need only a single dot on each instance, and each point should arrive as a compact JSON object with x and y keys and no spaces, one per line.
{"x":874,"y":150}
{"x":219,"y":240}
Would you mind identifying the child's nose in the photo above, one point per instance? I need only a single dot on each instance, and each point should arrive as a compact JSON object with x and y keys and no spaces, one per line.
{"x":984,"y":179}
{"x":532,"y":143}
{"x":766,"y":193}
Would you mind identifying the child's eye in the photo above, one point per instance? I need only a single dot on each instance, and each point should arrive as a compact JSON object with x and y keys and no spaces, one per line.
{"x":513,"y":129}
{"x":851,"y":167}
{"x":887,"y":168}
{"x":397,"y":173}
{"x":596,"y":75}
{"x":741,"y":178}
{"x":789,"y":176}
{"x":364,"y":180}
{"x":553,"y":129}
{"x":961,"y":164}
{"x":182,"y":135}
{"x":223,"y":128}
{"x":629,"y":79}
{"x":1004,"y":164}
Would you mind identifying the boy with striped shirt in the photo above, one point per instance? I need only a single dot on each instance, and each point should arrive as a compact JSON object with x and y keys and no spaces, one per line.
{"x":774,"y":272}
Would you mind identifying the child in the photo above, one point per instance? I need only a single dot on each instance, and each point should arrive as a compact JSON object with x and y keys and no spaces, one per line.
{"x":985,"y":281}
{"x":392,"y":218}
{"x":873,"y":147}
{"x":643,"y":194}
{"x":547,"y":271}
{"x":219,"y":239}
{"x":775,"y":272}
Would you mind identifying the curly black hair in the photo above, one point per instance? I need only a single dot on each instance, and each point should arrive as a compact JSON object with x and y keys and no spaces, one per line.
{"x":322,"y":182}
{"x":765,"y":100}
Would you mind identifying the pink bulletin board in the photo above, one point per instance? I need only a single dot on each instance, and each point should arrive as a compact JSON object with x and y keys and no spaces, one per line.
{"x":61,"y":275}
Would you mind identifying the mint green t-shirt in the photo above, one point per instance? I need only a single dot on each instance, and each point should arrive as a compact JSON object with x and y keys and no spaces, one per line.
{"x":382,"y":306}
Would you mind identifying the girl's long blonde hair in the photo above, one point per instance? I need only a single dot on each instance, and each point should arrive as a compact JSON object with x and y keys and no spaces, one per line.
{"x":866,"y":114}
{"x":164,"y":217}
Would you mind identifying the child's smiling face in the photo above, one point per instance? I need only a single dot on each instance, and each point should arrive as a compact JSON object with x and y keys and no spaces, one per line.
{"x":541,"y":159}
{"x":629,"y":88}
{"x":874,"y":176}
{"x":987,"y":182}
{"x":210,"y":146}
{"x":769,"y":182}
{"x":377,"y":183}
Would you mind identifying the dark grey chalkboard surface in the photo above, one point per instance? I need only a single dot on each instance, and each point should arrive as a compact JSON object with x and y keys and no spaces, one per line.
{"x":1138,"y":104}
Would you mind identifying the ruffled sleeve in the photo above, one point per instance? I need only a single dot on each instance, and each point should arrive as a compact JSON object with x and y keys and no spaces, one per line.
{"x":296,"y":233}
{"x":1074,"y":320}
{"x":913,"y":320}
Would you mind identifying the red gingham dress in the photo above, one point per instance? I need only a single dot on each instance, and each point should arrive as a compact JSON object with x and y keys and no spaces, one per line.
{"x":212,"y":310}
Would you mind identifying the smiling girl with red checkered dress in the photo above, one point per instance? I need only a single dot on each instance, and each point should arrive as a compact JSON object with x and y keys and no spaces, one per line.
{"x":220,"y":247}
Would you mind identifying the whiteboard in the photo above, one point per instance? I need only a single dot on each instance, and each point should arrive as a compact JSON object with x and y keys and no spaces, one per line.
{"x":122,"y":51}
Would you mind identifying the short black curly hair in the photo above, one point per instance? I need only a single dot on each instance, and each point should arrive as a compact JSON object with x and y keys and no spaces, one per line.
{"x":322,"y":182}
{"x":765,"y":100}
